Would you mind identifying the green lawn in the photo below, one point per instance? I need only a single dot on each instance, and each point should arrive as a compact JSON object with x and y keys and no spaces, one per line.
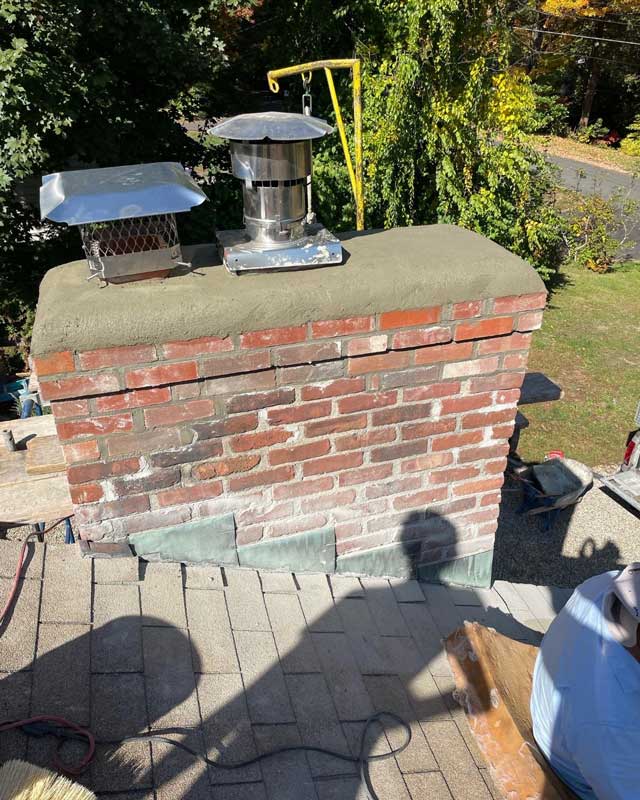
{"x":590,"y":345}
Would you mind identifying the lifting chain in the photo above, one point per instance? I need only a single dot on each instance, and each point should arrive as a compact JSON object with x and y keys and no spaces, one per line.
{"x":307,"y":102}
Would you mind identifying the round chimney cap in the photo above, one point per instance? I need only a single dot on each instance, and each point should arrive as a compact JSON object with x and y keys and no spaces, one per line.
{"x":276,"y":126}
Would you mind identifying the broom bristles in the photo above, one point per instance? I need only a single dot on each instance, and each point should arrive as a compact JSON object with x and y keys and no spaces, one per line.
{"x":22,"y":781}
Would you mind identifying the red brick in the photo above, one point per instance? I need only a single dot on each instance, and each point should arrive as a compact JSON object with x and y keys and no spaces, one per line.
{"x":452,"y":475}
{"x":249,"y":534}
{"x":287,"y":416}
{"x":490,"y":418}
{"x":81,"y":451}
{"x":161,"y":374}
{"x":256,"y":441}
{"x":366,"y":345}
{"x":409,"y":377}
{"x":453,"y":405}
{"x":489,"y":529}
{"x":517,"y":341}
{"x":503,"y":431}
{"x":335,"y":388}
{"x":391,"y":416}
{"x":482,"y":453}
{"x":225,"y":427}
{"x":96,"y":472}
{"x":253,"y":516}
{"x":326,"y":502}
{"x":252,"y":402}
{"x":506,"y":380}
{"x":196,"y":347}
{"x":406,"y":319}
{"x":357,"y":441}
{"x":217,"y":469}
{"x":420,"y":499}
{"x":235,"y":364}
{"x":310,"y":373}
{"x":427,"y":462}
{"x":478,"y":366}
{"x":94,"y":426}
{"x":364,"y":402}
{"x":365,"y":475}
{"x":346,"y":530}
{"x":327,"y":328}
{"x":407,"y":484}
{"x":448,"y":442}
{"x":297,"y":525}
{"x":396,"y":451}
{"x":263,"y":478}
{"x":432,"y":390}
{"x":332,"y":463}
{"x":208,"y":448}
{"x":117,"y":356}
{"x":420,"y":337}
{"x":86,"y":493}
{"x":378,"y":363}
{"x":54,"y":363}
{"x":478,"y":487}
{"x":183,"y":391}
{"x":443,"y":352}
{"x":529,"y":322}
{"x":515,"y":361}
{"x":487,"y":515}
{"x":142,"y":484}
{"x":300,"y":452}
{"x":178,"y":412}
{"x":189,"y":494}
{"x":155,"y":519}
{"x":482,"y":329}
{"x":303,"y":488}
{"x":336,"y":425}
{"x":80,"y":386}
{"x":274,"y":336}
{"x":467,"y":309}
{"x":148,"y":442}
{"x":492,"y":467}
{"x":113,"y":509}
{"x":507,"y":396}
{"x":135,"y":399}
{"x":431,"y":428}
{"x":491,"y":499}
{"x":522,"y":302}
{"x":235,"y":384}
{"x":306,"y":353}
{"x":64,"y":409}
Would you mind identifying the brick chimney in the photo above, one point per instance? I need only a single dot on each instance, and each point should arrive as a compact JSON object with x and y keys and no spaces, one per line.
{"x":361,"y":410}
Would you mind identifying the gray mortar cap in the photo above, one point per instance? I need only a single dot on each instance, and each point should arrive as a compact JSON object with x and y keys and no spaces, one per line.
{"x":83,"y":196}
{"x":277,"y":126}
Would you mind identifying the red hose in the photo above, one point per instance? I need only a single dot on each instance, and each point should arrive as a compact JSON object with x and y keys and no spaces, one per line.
{"x":16,"y":577}
{"x":63,"y":723}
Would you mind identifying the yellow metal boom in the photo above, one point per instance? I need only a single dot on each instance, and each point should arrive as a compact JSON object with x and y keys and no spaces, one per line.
{"x":355,"y":175}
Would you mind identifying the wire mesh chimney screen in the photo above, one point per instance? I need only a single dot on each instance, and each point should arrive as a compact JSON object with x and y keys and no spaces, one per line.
{"x":111,"y":247}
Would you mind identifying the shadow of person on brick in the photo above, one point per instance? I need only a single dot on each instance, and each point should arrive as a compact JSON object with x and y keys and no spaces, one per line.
{"x":119,"y":679}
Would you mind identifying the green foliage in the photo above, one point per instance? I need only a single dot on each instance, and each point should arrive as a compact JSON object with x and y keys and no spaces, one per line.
{"x":444,"y":124}
{"x":551,"y":116}
{"x":588,"y":133}
{"x":631,"y":142}
{"x":89,"y":83}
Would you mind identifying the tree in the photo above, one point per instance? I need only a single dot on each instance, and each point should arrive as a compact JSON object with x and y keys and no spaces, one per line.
{"x":84,"y":82}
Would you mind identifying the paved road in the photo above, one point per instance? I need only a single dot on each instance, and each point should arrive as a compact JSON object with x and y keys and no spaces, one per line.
{"x":589,"y":178}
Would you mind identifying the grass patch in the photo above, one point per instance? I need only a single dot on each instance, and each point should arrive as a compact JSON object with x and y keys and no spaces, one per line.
{"x":590,"y":345}
{"x":600,"y":155}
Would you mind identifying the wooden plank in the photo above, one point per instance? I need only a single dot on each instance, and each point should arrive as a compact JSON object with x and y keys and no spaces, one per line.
{"x":44,"y":499}
{"x":12,"y":467}
{"x":44,"y":456}
{"x":24,"y":429}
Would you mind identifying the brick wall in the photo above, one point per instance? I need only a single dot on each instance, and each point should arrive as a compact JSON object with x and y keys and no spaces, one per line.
{"x":379,"y":426}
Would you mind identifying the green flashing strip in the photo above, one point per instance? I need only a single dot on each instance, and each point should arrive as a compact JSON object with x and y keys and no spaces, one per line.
{"x":386,"y":561}
{"x":211,"y":539}
{"x":472,"y":570}
{"x":313,"y":551}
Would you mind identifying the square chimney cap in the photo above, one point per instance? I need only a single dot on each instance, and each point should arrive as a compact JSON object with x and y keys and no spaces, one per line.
{"x":277,"y":126}
{"x":83,"y":196}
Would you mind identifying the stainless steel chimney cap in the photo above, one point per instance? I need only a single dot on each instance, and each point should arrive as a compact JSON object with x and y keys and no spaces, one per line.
{"x":276,"y":126}
{"x":83,"y":196}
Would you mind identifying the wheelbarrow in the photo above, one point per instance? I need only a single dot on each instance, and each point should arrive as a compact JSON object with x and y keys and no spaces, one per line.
{"x":549,"y":487}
